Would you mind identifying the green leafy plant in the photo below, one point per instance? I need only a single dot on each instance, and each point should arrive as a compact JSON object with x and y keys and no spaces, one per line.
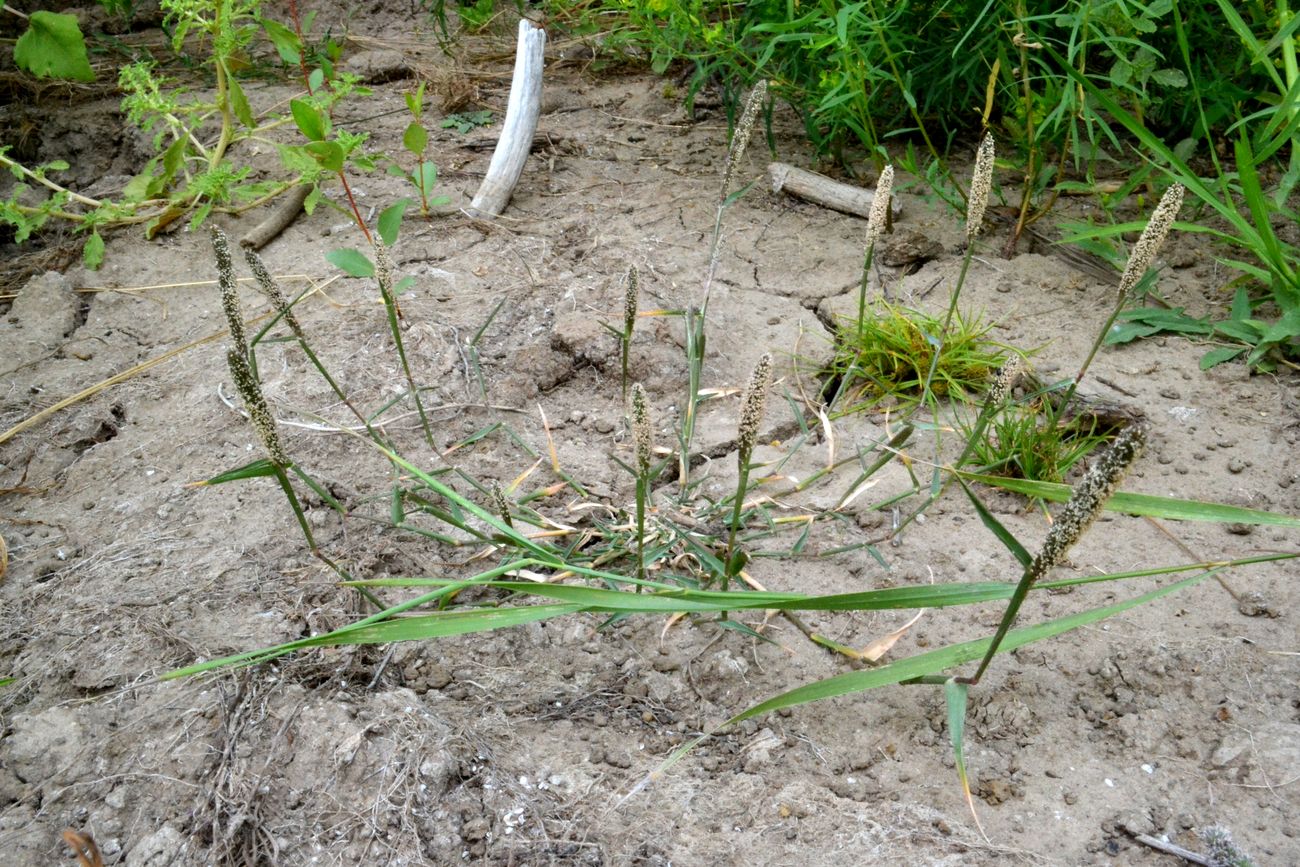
{"x":424,"y":174}
{"x":191,"y":173}
{"x":464,"y":122}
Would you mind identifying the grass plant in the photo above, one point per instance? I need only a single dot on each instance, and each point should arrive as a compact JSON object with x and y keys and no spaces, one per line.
{"x":689,"y":551}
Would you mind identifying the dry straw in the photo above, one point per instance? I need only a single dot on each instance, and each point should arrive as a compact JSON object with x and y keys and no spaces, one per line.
{"x":1153,"y":237}
{"x":642,"y":432}
{"x":878,"y":216}
{"x":1088,"y":499}
{"x":980,"y":186}
{"x":255,"y":402}
{"x":751,"y":412}
{"x":229,"y":295}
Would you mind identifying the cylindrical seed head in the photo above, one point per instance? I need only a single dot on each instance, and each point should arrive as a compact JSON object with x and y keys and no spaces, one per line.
{"x":878,"y":216}
{"x":642,"y":432}
{"x":981,"y":185}
{"x":266,"y":283}
{"x":744,"y":129}
{"x":1089,"y":497}
{"x":255,"y":402}
{"x":1004,"y":380}
{"x":229,"y":293}
{"x":502,"y":504}
{"x":630,"y":301}
{"x":1153,"y":237}
{"x":383,"y":267}
{"x":751,"y":409}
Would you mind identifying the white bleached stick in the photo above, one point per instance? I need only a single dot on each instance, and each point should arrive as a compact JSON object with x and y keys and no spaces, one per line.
{"x":521,"y":122}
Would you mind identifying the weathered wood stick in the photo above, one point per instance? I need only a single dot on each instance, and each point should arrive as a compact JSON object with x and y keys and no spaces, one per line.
{"x":517,"y":131}
{"x":278,"y":220}
{"x":821,"y":190}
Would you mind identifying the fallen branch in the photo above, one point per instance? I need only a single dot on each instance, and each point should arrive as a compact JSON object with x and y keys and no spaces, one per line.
{"x":821,"y":190}
{"x":278,"y":220}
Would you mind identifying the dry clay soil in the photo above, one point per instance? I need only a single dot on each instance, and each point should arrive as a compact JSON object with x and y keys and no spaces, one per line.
{"x":519,"y":746}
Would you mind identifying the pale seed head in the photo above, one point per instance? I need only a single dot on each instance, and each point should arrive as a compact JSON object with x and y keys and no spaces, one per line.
{"x":383,"y":267}
{"x":642,"y":432}
{"x":268,"y":287}
{"x":744,"y":129}
{"x":1004,"y":380}
{"x":255,"y":402}
{"x":1089,"y":497}
{"x":1153,"y":237}
{"x":878,"y":216}
{"x":751,"y":409}
{"x":630,"y":301}
{"x":981,"y":185}
{"x":229,"y":292}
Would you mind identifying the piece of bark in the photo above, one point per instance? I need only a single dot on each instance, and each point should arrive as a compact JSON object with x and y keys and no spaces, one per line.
{"x":517,"y":131}
{"x":821,"y":190}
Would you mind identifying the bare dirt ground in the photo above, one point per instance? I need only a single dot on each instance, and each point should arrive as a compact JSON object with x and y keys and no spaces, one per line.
{"x":516,"y":747}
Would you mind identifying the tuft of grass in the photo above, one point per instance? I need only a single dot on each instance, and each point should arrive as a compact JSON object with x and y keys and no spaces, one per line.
{"x":887,"y":358}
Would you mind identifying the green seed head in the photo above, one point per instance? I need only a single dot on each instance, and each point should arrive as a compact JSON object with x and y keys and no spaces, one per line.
{"x":1089,"y":497}
{"x":501,"y":503}
{"x":981,"y":185}
{"x":642,"y":432}
{"x":1153,"y":237}
{"x":751,"y":410}
{"x":254,"y":401}
{"x":229,"y":294}
{"x":266,"y":283}
{"x":878,"y":216}
{"x":630,"y":301}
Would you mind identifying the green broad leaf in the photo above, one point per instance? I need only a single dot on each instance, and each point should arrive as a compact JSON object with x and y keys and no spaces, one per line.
{"x":1170,"y":77}
{"x":428,"y":177}
{"x":316,"y":80}
{"x":5,"y":681}
{"x":173,"y":159}
{"x":390,"y":220}
{"x":351,"y":262}
{"x":313,"y":199}
{"x":1144,"y":504}
{"x":415,"y":139}
{"x":56,"y":166}
{"x":329,"y":154}
{"x":1218,"y":356}
{"x":285,"y":41}
{"x":404,"y":284}
{"x":53,"y":47}
{"x":200,"y":215}
{"x":261,"y":468}
{"x":396,"y":171}
{"x":311,"y":120}
{"x":239,"y":102}
{"x":1246,"y":330}
{"x":92,"y":255}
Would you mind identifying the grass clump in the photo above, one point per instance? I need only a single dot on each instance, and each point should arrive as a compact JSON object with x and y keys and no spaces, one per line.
{"x":885,"y":359}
